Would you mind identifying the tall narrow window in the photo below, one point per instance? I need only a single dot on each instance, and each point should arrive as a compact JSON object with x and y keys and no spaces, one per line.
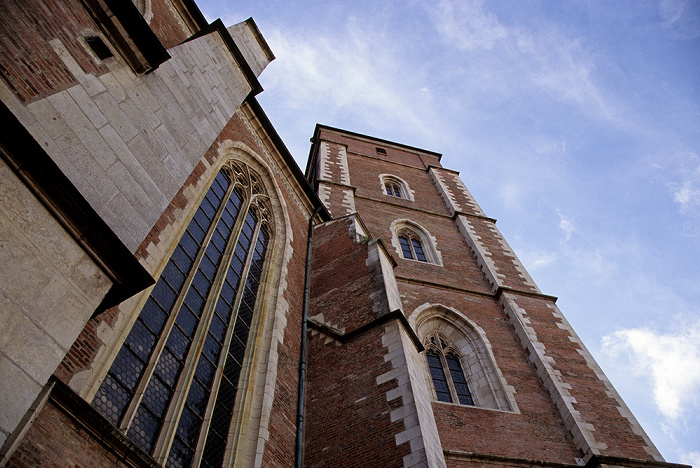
{"x":446,"y":371}
{"x":190,"y":337}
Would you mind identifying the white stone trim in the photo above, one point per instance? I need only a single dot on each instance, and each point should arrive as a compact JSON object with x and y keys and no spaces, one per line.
{"x":439,"y":179}
{"x":581,"y":430}
{"x":624,"y":410}
{"x":481,"y":252}
{"x":420,"y":429}
{"x":428,"y":241}
{"x":489,"y":386}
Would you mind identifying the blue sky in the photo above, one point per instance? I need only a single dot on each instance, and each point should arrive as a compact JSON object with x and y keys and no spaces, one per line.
{"x":576,"y":124}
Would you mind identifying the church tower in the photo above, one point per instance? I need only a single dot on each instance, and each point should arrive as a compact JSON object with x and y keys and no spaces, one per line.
{"x":430,"y":345}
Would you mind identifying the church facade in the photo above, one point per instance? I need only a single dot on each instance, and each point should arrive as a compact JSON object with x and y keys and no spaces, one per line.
{"x":177,"y":292}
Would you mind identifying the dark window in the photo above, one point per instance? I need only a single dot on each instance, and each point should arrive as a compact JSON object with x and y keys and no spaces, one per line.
{"x":98,"y":47}
{"x":203,"y":317}
{"x":411,"y":247}
{"x":446,"y":372}
{"x":381,"y":151}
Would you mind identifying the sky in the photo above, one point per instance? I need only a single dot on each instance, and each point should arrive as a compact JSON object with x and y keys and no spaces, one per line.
{"x":575,"y":124}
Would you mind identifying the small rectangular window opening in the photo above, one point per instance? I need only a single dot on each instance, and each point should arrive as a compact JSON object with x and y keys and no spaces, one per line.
{"x":381,"y":151}
{"x":98,"y":47}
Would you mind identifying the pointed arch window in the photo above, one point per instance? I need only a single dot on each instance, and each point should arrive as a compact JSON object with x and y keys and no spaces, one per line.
{"x":413,"y":242}
{"x":172,"y":386}
{"x":411,"y":247}
{"x":394,"y":186}
{"x":446,"y":371}
{"x":393,"y":189}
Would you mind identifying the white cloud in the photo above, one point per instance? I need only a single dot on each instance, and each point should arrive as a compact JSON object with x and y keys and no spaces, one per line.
{"x":690,"y":458}
{"x":566,"y":225}
{"x":536,"y":260}
{"x":686,"y":188}
{"x":349,"y":73}
{"x":541,"y":58}
{"x":670,"y":361}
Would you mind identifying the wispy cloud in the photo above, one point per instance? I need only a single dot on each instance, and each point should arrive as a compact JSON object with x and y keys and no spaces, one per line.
{"x":351,"y":72}
{"x":566,"y":225}
{"x":544,"y":59}
{"x":466,"y":25}
{"x":671,"y":361}
{"x":681,"y":17}
{"x":686,"y":190}
{"x":690,"y":458}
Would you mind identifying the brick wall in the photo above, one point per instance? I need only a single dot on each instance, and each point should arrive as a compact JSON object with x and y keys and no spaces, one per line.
{"x":28,"y":64}
{"x":348,"y":415}
{"x":55,"y":440}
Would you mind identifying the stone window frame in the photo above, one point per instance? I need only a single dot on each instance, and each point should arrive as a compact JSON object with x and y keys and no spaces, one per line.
{"x":405,"y":192}
{"x":412,"y":230}
{"x":246,"y":178}
{"x":488,"y":386}
{"x":439,"y":345}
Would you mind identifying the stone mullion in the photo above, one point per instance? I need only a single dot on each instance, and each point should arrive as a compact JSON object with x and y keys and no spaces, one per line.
{"x":130,"y":411}
{"x":224,"y":350}
{"x":172,"y":417}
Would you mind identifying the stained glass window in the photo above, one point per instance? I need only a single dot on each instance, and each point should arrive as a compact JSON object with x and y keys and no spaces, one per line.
{"x":191,"y":335}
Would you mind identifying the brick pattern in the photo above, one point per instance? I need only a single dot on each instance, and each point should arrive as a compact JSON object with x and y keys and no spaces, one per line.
{"x":582,"y":397}
{"x":348,"y":416}
{"x":54,"y":440}
{"x":167,"y":24}
{"x":532,"y":429}
{"x":497,"y":260}
{"x":28,"y":64}
{"x":340,"y":264}
{"x":394,"y":153}
{"x":335,"y":190}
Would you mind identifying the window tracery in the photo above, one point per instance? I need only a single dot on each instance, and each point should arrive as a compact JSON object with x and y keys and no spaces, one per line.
{"x":184,"y":354}
{"x":458,"y":348}
{"x":446,"y":371}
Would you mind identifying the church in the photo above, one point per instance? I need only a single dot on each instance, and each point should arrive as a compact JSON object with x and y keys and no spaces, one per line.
{"x":177,"y":292}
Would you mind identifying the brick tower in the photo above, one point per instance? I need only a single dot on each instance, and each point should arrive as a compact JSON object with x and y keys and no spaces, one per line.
{"x":430,"y":344}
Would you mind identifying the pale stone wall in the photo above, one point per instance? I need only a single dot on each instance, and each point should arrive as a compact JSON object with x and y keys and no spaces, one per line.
{"x":49,"y":288}
{"x":128,"y":142}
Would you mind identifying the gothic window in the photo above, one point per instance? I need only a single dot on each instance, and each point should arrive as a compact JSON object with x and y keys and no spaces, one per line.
{"x":395,"y":187}
{"x":446,"y":371}
{"x":411,"y":247}
{"x":184,"y":354}
{"x":460,"y":364}
{"x":412,"y":242}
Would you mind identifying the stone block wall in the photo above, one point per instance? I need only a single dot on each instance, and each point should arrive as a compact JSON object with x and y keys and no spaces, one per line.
{"x":49,"y":287}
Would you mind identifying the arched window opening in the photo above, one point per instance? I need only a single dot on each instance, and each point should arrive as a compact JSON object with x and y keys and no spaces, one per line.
{"x":184,"y":354}
{"x":459,"y":361}
{"x":411,"y":247}
{"x":446,"y":372}
{"x":412,"y":242}
{"x":395,"y":187}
